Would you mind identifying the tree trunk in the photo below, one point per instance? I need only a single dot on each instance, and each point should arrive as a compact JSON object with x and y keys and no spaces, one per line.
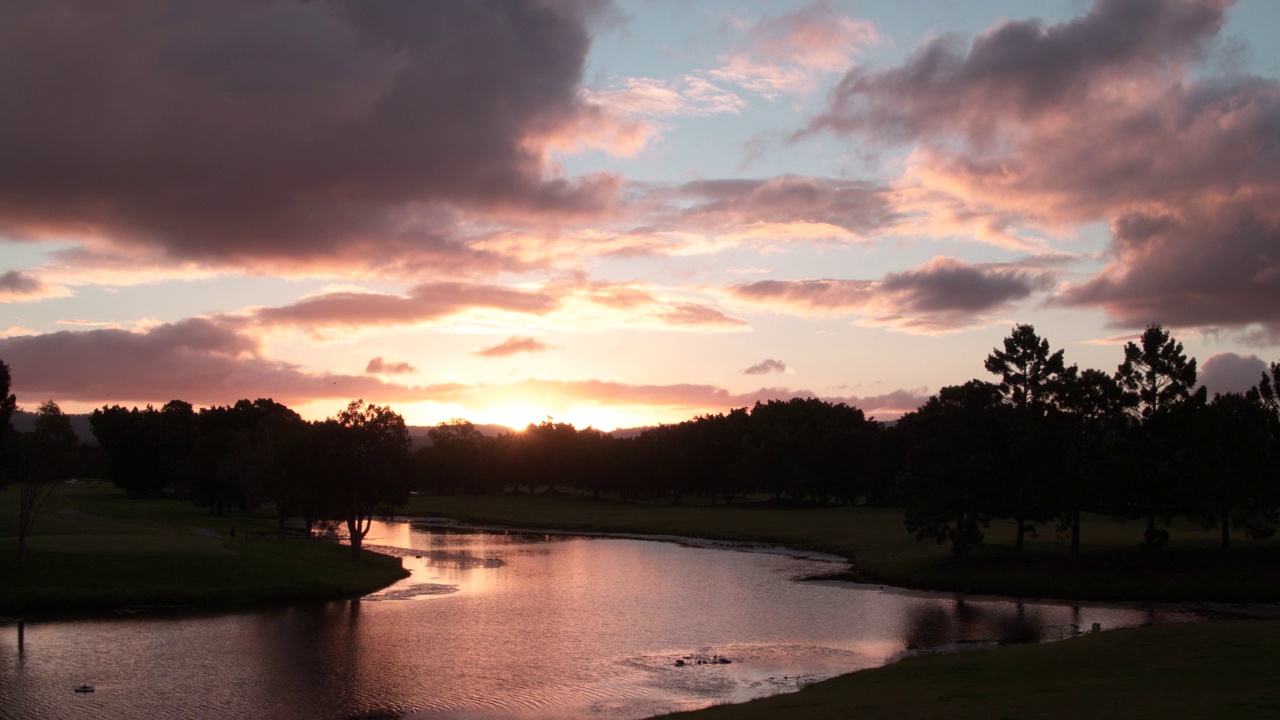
{"x":1075,"y":534}
{"x":357,"y":527}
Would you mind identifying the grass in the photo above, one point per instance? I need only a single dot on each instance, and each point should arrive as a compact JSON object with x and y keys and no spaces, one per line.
{"x":1112,"y":567}
{"x":1199,"y":670}
{"x":95,"y":550}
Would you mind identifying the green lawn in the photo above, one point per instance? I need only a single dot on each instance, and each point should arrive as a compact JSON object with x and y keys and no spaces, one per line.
{"x":94,"y":550}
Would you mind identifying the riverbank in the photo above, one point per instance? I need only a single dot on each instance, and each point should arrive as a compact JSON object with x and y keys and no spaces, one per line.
{"x":1112,"y":567}
{"x":95,"y":551}
{"x":1215,"y":670}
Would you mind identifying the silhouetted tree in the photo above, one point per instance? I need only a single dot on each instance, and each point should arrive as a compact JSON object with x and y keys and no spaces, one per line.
{"x":246,"y":438}
{"x":808,"y":448}
{"x":955,"y":467}
{"x":1158,"y":382}
{"x":1031,"y":381}
{"x":1235,"y":468}
{"x":147,"y":449}
{"x":372,"y":446}
{"x":1093,"y":404}
{"x":42,"y":458}
{"x":455,"y":458}
{"x":8,"y":402}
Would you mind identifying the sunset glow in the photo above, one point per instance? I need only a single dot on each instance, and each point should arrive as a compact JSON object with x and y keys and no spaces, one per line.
{"x":624,"y":214}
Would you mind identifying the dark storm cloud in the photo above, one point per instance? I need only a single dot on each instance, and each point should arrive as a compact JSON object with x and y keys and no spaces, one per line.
{"x":285,"y":131}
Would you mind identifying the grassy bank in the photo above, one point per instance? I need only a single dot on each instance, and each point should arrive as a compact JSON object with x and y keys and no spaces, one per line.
{"x":94,"y":550}
{"x":1112,"y":567}
{"x":1201,"y":670}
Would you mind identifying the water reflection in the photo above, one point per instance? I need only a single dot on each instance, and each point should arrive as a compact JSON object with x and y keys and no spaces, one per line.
{"x":516,"y":626}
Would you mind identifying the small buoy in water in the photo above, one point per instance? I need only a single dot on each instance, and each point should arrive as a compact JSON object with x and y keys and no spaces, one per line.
{"x":84,"y":688}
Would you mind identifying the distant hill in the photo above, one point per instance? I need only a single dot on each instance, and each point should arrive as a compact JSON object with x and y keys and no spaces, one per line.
{"x":24,"y":421}
{"x":628,"y":433}
{"x":420,"y":438}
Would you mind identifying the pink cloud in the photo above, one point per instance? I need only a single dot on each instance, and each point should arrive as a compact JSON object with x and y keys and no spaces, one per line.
{"x":701,"y":316}
{"x":423,"y":303}
{"x":789,"y":53}
{"x":513,"y":346}
{"x":379,"y":366}
{"x":1033,"y":130}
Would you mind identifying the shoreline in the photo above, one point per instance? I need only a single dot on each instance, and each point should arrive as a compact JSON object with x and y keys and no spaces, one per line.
{"x":1210,"y":610}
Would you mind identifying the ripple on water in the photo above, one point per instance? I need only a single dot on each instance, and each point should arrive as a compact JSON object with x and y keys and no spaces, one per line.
{"x":457,"y":560}
{"x":410,"y":592}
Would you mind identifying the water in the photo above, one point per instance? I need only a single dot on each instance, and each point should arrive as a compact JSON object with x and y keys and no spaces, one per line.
{"x":518,"y":626}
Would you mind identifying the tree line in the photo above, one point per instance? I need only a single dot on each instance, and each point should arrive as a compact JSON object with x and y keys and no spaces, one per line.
{"x":1042,"y":442}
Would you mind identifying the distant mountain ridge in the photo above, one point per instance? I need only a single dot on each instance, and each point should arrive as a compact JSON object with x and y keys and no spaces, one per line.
{"x":24,"y":421}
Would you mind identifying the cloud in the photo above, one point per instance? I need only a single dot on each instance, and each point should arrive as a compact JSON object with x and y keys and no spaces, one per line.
{"x":856,"y":207}
{"x":701,"y":316}
{"x":1019,"y":72}
{"x":764,"y":367}
{"x":890,"y":405}
{"x":378,"y":366}
{"x":570,"y":303}
{"x":513,"y":345}
{"x":943,"y":295}
{"x":425,"y":302}
{"x":788,"y":54}
{"x":1231,"y":373}
{"x":687,"y":96}
{"x":1216,"y":267}
{"x":288,"y":132}
{"x":1179,"y":160}
{"x":207,"y":362}
{"x":18,"y":286}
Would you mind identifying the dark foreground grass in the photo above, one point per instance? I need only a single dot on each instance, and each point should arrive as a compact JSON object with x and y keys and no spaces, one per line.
{"x":95,"y":551}
{"x":1201,"y":670}
{"x":1112,"y":567}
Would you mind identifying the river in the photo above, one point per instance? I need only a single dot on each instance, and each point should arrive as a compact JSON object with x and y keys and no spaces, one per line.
{"x":521,"y":626}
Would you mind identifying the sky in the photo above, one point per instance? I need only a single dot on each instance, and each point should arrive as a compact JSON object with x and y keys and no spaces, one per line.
{"x":630,"y":213}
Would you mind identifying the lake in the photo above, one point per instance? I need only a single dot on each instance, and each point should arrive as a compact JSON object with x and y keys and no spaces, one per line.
{"x":522,"y":626}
